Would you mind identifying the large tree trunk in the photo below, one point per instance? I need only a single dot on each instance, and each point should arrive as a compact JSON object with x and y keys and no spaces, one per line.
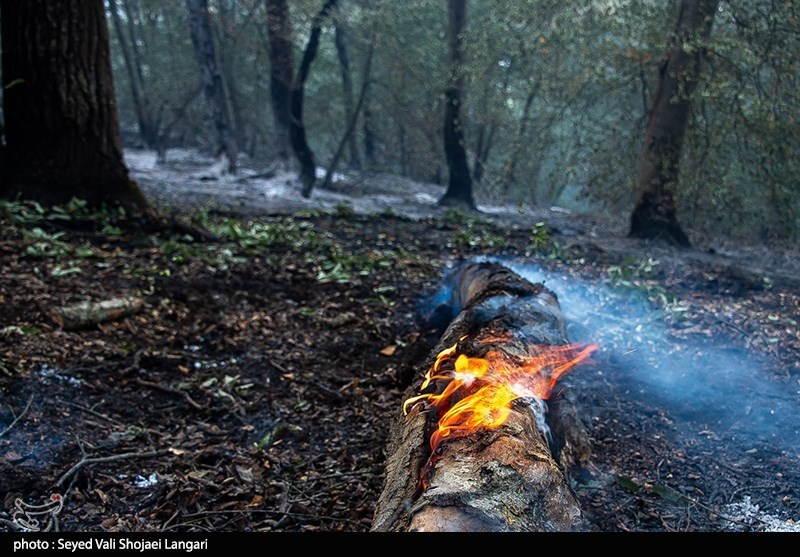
{"x":302,"y":150}
{"x":281,"y":59}
{"x":61,"y":122}
{"x":505,"y":479}
{"x":211,"y":78}
{"x":459,"y":186}
{"x":654,"y":216}
{"x":347,"y":94}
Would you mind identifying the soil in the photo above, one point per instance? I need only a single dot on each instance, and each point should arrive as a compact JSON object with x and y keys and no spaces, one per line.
{"x":255,"y":389}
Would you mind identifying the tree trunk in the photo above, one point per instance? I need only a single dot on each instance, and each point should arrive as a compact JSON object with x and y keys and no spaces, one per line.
{"x":459,"y":187}
{"x":141,"y":102}
{"x":510,"y":166}
{"x":654,"y":216}
{"x":211,"y":78}
{"x":351,"y":124}
{"x":505,"y":479}
{"x":281,"y":59}
{"x":369,"y":137}
{"x":61,"y":122}
{"x":302,"y":150}
{"x":347,"y":94}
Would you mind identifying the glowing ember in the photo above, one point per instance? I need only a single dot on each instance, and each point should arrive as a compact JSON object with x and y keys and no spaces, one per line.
{"x":480,"y":391}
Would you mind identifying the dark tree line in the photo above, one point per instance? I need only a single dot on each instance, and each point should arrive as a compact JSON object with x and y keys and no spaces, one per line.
{"x":518,"y":100}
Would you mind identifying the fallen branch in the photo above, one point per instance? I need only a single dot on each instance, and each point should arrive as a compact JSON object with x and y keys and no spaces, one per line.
{"x":103,"y":459}
{"x":170,"y":390}
{"x":18,"y":418}
{"x":85,"y":314}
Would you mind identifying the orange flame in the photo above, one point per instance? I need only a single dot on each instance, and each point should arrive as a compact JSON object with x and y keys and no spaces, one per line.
{"x":479,"y":391}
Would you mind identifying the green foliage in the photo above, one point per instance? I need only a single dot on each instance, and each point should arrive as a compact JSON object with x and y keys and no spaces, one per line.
{"x":631,"y":270}
{"x":540,"y":239}
{"x":344,"y":209}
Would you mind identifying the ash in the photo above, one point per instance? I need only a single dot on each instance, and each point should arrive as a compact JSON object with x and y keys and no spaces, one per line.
{"x":745,"y":516}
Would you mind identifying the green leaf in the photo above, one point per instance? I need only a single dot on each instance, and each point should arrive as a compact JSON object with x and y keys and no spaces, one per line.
{"x":61,"y":272}
{"x":627,"y":483}
{"x":668,"y":493}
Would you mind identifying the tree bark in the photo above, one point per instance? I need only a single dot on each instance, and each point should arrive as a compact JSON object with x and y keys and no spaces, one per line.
{"x":654,"y":216}
{"x":459,"y":187}
{"x":302,"y":150}
{"x":347,"y":95}
{"x":61,"y":123}
{"x":212,"y":80}
{"x":501,"y":480}
{"x":281,"y":59}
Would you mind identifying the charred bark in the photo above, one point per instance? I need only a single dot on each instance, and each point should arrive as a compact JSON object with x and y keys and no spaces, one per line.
{"x":302,"y":150}
{"x":281,"y":58}
{"x":654,"y":216}
{"x":211,"y":78}
{"x":501,"y":480}
{"x":459,"y":186}
{"x":61,"y":124}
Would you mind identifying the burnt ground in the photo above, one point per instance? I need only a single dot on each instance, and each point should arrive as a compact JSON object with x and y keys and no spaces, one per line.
{"x":255,"y":388}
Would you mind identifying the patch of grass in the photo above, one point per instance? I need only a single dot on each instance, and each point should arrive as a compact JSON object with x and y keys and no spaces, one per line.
{"x":344,"y":210}
{"x":540,"y":239}
{"x":478,"y":238}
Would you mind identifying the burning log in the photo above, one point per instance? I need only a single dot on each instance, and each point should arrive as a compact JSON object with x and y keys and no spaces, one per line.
{"x":471,"y":451}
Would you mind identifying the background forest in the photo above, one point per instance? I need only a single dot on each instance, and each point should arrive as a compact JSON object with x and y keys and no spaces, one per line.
{"x":555,"y":101}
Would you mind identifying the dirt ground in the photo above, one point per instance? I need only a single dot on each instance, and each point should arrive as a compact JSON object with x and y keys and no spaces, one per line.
{"x":255,"y":388}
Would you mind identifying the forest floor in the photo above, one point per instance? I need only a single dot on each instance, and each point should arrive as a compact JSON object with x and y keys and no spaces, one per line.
{"x":254,"y":388}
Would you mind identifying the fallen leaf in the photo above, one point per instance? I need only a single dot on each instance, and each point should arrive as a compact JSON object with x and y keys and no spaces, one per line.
{"x":389,"y":350}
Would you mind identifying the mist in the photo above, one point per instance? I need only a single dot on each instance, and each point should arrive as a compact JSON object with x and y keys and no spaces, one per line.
{"x":704,"y":384}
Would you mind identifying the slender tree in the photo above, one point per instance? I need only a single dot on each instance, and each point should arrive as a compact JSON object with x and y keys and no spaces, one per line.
{"x":368,"y":136}
{"x":347,"y":92}
{"x":654,"y":216}
{"x":459,"y":186}
{"x":211,"y":77}
{"x":141,"y":101}
{"x":281,"y":58}
{"x":61,"y":124}
{"x":302,"y":150}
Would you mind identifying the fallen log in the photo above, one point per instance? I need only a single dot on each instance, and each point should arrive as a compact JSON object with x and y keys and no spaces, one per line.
{"x":86,"y":314}
{"x":502,"y":479}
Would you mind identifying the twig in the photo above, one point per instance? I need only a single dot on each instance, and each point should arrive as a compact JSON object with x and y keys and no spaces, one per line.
{"x":170,"y":390}
{"x":112,"y":458}
{"x":18,"y":418}
{"x":327,"y":390}
{"x":89,"y":411}
{"x":339,"y":475}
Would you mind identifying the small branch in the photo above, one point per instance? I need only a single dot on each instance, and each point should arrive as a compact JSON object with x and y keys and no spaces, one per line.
{"x":170,"y":390}
{"x":90,"y":411}
{"x":113,"y":458}
{"x":18,"y":418}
